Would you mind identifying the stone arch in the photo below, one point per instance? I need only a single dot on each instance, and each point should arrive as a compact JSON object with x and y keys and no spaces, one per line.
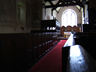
{"x":78,"y":12}
{"x":69,"y":17}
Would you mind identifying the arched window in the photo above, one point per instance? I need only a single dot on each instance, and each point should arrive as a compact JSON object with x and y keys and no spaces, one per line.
{"x":69,"y":17}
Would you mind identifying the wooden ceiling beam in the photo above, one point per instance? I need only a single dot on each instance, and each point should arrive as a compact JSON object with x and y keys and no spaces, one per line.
{"x":62,"y":5}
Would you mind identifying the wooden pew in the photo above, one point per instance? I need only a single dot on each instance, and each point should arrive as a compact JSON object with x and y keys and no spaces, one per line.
{"x":87,"y":40}
{"x":85,"y":54}
{"x":19,"y":52}
{"x":65,"y":52}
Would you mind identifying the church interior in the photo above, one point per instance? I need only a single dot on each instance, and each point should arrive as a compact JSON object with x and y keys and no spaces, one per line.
{"x":47,"y":35}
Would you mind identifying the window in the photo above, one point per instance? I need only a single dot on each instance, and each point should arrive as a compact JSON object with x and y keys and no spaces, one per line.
{"x":69,"y":17}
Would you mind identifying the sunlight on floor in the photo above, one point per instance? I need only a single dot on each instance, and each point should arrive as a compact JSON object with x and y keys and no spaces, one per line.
{"x":77,"y":59}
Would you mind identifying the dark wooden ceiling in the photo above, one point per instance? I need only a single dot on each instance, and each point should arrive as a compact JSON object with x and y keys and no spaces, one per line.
{"x":62,"y":3}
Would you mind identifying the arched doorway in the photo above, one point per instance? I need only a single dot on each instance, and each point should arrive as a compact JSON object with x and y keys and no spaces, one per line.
{"x":69,"y":18}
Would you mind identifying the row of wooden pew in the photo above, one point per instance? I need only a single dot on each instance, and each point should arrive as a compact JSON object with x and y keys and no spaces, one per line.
{"x":78,"y":52}
{"x":87,"y":40}
{"x":19,"y":52}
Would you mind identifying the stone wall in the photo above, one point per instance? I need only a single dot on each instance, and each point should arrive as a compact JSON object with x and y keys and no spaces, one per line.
{"x":20,"y":16}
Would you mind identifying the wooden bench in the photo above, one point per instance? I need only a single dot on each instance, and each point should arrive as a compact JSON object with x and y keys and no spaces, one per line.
{"x":19,"y":52}
{"x":87,"y":40}
{"x":84,"y":43}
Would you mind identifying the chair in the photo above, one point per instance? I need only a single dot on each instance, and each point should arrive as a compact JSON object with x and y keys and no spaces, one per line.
{"x":62,"y":29}
{"x":68,"y":28}
{"x":76,"y":29}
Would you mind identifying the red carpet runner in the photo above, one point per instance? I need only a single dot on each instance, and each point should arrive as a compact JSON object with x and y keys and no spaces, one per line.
{"x":51,"y":62}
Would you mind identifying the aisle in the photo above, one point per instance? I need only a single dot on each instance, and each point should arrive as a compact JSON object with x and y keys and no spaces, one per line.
{"x":52,"y":62}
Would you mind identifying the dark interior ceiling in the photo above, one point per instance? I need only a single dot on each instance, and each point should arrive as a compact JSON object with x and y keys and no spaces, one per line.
{"x":62,"y":3}
{"x":49,"y":0}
